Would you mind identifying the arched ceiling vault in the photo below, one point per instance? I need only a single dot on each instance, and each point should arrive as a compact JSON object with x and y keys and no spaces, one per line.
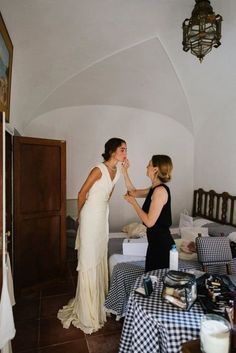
{"x":133,"y":77}
{"x":125,"y":53}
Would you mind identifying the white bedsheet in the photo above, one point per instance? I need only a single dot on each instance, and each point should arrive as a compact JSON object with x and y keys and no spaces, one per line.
{"x":117,"y":235}
{"x":118,"y":258}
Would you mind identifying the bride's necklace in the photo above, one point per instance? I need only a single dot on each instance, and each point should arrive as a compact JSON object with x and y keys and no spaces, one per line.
{"x":111,"y":168}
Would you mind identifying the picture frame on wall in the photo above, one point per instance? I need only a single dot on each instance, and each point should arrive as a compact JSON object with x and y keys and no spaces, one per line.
{"x":6,"y":56}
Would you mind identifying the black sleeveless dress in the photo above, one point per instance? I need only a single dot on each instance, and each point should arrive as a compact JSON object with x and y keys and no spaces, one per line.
{"x":159,"y":237}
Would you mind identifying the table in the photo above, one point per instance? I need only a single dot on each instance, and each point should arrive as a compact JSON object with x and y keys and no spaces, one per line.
{"x":123,"y":279}
{"x":153,"y":326}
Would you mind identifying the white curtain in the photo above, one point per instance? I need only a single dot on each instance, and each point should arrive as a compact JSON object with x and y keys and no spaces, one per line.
{"x":7,"y":326}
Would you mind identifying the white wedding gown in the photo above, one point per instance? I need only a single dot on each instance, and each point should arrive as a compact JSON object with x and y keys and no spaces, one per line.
{"x":86,"y":310}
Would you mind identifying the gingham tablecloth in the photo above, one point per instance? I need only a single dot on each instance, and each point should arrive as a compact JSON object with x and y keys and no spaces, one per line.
{"x":152,"y":325}
{"x":123,"y":279}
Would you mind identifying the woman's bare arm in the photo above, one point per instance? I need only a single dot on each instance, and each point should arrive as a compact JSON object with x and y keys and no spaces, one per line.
{"x":139,"y":192}
{"x":159,"y":199}
{"x":130,"y":187}
{"x":93,"y":176}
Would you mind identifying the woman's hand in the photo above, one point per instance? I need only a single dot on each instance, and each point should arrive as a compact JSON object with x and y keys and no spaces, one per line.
{"x":132,"y":193}
{"x":130,"y":198}
{"x":125,"y":165}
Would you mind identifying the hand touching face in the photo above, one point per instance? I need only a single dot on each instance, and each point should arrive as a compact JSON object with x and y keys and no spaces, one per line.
{"x":125,"y":165}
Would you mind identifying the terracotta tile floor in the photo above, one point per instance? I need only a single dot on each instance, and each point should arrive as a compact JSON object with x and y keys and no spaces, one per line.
{"x":39,"y":331}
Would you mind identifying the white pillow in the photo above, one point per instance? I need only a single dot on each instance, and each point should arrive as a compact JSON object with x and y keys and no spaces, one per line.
{"x":191,"y":233}
{"x":232,"y":237}
{"x":135,"y":229}
{"x":185,"y":220}
{"x":200,"y":222}
{"x":183,"y":255}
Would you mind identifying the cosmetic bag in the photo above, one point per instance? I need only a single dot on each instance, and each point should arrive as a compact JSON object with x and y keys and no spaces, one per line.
{"x":179,"y":289}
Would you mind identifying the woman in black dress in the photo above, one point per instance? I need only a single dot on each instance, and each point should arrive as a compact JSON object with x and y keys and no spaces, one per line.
{"x":156,"y":210}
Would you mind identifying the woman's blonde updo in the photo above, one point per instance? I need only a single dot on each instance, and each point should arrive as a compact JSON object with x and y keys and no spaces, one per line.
{"x":165,"y":166}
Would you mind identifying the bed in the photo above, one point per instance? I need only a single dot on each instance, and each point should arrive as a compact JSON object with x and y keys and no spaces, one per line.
{"x":115,"y":252}
{"x":213,"y":210}
{"x":215,"y":207}
{"x":119,"y":250}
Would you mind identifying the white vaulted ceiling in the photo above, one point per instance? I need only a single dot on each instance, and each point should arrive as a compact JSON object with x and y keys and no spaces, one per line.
{"x":117,"y":52}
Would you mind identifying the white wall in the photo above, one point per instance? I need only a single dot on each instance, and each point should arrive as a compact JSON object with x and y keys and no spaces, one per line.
{"x":87,"y":128}
{"x":215,"y":151}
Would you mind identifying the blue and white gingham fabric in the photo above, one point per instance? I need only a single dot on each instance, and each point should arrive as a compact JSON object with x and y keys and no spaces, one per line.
{"x":123,"y":278}
{"x":213,"y":250}
{"x":125,"y":274}
{"x":153,"y":326}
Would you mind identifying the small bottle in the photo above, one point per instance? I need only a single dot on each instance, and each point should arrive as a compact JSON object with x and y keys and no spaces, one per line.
{"x":174,"y":258}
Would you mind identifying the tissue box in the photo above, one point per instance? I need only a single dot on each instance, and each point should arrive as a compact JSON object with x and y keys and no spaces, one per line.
{"x":137,"y":247}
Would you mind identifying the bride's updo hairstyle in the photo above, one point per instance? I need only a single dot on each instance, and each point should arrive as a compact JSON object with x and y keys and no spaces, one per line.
{"x":111,"y":146}
{"x":165,"y":166}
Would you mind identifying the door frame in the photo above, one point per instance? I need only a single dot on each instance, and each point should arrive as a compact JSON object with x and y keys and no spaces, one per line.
{"x":9,"y":237}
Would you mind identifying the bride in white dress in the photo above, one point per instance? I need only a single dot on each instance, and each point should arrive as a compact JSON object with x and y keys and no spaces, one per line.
{"x":86,"y":310}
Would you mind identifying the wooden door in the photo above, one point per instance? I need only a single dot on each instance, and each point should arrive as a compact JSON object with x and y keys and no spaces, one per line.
{"x":39,"y":193}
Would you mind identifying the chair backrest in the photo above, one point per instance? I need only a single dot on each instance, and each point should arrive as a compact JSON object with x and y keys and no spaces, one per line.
{"x":213,"y":250}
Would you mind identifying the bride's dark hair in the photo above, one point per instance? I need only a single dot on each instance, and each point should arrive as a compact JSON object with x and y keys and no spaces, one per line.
{"x":111,"y":146}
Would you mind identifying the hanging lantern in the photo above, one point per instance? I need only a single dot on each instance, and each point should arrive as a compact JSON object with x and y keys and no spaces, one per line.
{"x":202,"y":31}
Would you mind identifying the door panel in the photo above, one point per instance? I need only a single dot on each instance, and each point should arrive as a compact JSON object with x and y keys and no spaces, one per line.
{"x":39,"y":210}
{"x":41,"y":187}
{"x":42,"y":248}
